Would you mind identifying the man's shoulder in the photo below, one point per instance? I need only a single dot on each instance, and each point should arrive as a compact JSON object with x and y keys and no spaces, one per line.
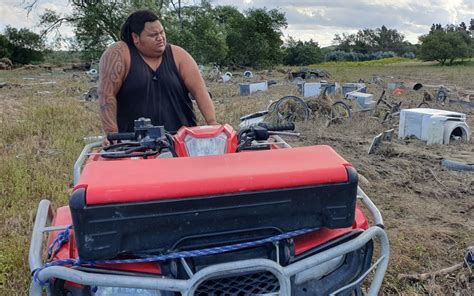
{"x":116,"y":59}
{"x":119,"y":46}
{"x":178,"y":51}
{"x":117,"y":52}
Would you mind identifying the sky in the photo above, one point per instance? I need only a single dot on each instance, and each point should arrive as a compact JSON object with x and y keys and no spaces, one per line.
{"x":319,"y":20}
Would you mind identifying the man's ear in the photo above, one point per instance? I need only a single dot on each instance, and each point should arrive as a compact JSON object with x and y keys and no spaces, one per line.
{"x":135,"y":38}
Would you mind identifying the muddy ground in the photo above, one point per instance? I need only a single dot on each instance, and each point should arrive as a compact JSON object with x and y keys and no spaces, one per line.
{"x":428,"y":210}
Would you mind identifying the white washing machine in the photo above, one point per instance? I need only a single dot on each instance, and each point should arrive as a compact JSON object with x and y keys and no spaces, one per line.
{"x":433,"y":125}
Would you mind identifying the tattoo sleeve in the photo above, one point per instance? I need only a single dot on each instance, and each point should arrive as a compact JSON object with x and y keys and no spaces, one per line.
{"x":112,"y":73}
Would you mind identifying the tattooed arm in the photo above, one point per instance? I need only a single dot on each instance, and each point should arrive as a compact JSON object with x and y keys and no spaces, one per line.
{"x":114,"y":65}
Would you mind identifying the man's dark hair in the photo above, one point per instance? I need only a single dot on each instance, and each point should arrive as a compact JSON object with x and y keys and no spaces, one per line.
{"x":135,"y":24}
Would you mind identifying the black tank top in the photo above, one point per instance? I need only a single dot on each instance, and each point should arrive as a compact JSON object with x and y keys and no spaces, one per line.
{"x":159,"y":95}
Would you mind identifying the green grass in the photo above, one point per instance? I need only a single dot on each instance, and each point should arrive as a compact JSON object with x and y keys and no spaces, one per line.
{"x":39,"y":146}
{"x":387,"y":61}
{"x":61,"y":57}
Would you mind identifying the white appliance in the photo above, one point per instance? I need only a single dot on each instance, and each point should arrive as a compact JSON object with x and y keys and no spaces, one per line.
{"x":433,"y":125}
{"x":248,"y":88}
{"x":364,"y":100}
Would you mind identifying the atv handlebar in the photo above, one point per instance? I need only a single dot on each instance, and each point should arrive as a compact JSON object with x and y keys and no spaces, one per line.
{"x":121,"y":136}
{"x":278,"y":127}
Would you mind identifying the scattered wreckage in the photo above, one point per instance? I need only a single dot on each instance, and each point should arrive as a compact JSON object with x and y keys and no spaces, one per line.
{"x":306,"y":73}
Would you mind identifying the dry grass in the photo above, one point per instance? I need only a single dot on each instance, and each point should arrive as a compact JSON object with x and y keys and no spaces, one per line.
{"x":428,"y":218}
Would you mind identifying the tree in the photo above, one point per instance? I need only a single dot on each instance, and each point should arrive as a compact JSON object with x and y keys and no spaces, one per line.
{"x":255,"y":40}
{"x":220,"y":34}
{"x":23,"y":46}
{"x":199,"y":32}
{"x":96,"y":23}
{"x":5,"y":47}
{"x":444,"y":46}
{"x":389,"y":40}
{"x":299,"y":53}
{"x":368,"y":41}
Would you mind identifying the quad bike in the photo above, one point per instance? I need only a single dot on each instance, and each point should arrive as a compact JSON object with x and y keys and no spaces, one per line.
{"x":209,"y":211}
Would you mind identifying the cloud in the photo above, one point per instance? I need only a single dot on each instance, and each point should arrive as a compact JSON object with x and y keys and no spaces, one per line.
{"x":321,"y":20}
{"x":13,"y":13}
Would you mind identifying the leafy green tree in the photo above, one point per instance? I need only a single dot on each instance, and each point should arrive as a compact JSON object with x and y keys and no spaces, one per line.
{"x":5,"y":47}
{"x":444,"y":46}
{"x":96,"y":23}
{"x":225,"y":15}
{"x":220,"y":34}
{"x":256,"y":39}
{"x":23,"y":45}
{"x":368,"y":41}
{"x":299,"y":53}
{"x":389,"y":40}
{"x":199,"y":32}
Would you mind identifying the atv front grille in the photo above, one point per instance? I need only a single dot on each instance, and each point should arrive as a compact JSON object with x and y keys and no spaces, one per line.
{"x":257,"y":283}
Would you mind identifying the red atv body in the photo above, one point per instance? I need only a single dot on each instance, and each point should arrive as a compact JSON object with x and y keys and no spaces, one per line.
{"x":268,"y":220}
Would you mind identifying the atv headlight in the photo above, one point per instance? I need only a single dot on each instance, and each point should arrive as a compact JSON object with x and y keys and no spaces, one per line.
{"x":206,"y":146}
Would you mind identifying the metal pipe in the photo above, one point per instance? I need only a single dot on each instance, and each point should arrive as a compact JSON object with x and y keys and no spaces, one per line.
{"x":240,"y":267}
{"x":359,"y":280}
{"x":371,"y":207}
{"x":97,"y":279}
{"x":80,"y":160}
{"x":34,"y":255}
{"x":345,"y":248}
{"x":280,"y":141}
{"x":380,"y":271}
{"x":187,"y":287}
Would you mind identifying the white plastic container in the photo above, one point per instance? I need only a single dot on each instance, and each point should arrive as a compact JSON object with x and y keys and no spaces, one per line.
{"x":433,"y":126}
{"x":364,"y":100}
{"x":350,"y":87}
{"x":313,"y":89}
{"x":248,"y":88}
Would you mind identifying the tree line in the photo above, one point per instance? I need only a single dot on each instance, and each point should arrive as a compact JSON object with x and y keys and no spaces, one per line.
{"x":225,"y":35}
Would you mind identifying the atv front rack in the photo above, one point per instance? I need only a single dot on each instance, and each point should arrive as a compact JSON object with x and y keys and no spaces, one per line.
{"x":87,"y":151}
{"x":295,"y":272}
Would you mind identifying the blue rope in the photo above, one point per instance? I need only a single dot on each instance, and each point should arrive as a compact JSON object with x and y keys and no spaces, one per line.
{"x":469,"y":256}
{"x":59,"y":241}
{"x":177,"y":255}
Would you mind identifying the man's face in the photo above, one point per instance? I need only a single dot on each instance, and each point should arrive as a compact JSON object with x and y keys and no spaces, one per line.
{"x":152,"y":40}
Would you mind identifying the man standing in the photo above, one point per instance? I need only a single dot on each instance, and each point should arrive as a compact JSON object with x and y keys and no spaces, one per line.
{"x":143,"y":76}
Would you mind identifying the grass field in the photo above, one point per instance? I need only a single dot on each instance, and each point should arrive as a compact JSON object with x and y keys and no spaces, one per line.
{"x":43,"y":124}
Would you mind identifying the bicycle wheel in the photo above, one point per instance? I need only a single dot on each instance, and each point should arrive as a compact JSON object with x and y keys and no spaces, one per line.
{"x":340,"y":112}
{"x":289,"y":109}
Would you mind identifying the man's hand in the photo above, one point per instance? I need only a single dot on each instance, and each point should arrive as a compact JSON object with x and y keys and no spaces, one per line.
{"x":105,"y":142}
{"x":213,"y":122}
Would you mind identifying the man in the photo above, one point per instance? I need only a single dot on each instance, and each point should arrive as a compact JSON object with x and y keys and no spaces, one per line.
{"x":143,"y":76}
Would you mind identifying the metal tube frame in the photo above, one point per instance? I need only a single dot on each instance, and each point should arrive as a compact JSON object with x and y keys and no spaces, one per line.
{"x":87,"y":151}
{"x":188,"y":287}
{"x":80,"y":160}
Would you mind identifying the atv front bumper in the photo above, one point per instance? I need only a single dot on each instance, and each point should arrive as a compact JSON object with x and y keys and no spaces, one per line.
{"x":288,"y":276}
